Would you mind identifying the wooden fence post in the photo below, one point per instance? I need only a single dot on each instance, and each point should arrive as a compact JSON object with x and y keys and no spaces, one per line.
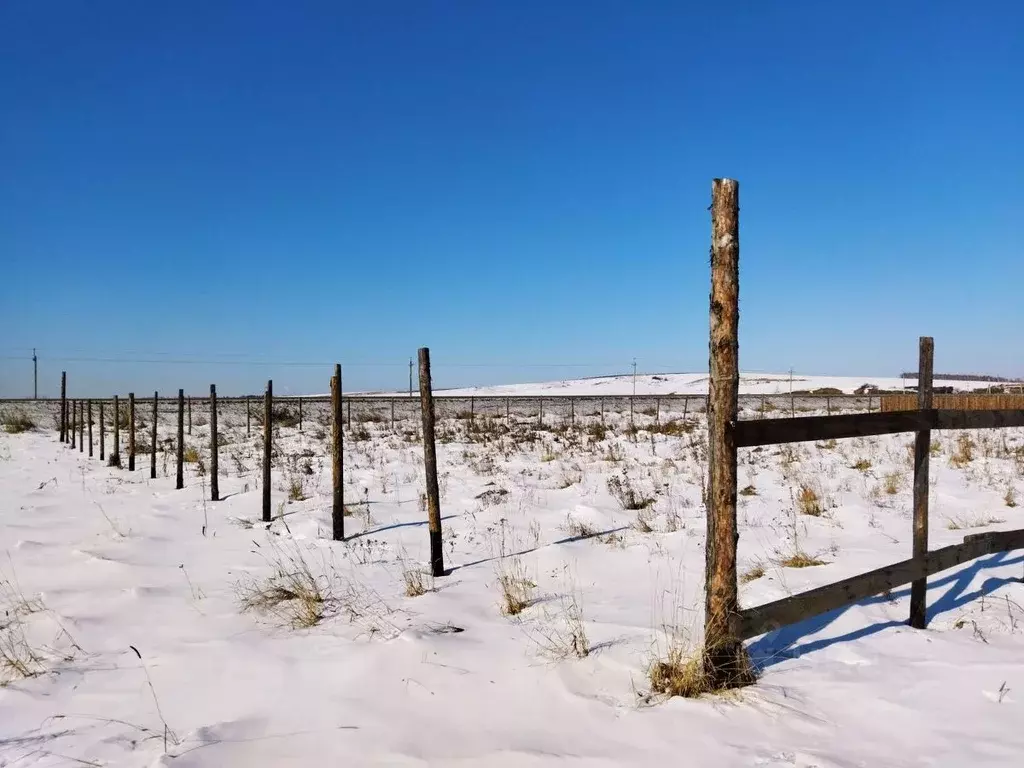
{"x":103,"y":434}
{"x":631,"y":398}
{"x":430,"y":464}
{"x":248,"y":416}
{"x":572,"y":412}
{"x":392,"y":415}
{"x":300,"y":413}
{"x":602,"y":411}
{"x":337,"y":459}
{"x":508,"y":409}
{"x":74,"y":422}
{"x":922,"y":450}
{"x":268,"y":446}
{"x":63,"y":406}
{"x":152,"y":436}
{"x":180,"y":478}
{"x":214,"y":447}
{"x":348,"y":410}
{"x":90,"y":429}
{"x":131,"y":431}
{"x":190,"y":415}
{"x":472,"y":408}
{"x":725,"y":662}
{"x":81,"y":426}
{"x":115,"y":452}
{"x":540,"y":413}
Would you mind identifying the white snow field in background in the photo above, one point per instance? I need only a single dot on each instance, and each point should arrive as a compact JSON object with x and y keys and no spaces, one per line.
{"x":96,"y":561}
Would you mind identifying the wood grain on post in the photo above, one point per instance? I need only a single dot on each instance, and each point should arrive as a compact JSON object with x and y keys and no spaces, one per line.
{"x":103,"y":434}
{"x":922,"y":450}
{"x":131,"y":431}
{"x":74,"y":422}
{"x":725,"y":661}
{"x":268,"y":446}
{"x":115,"y":452}
{"x":81,"y":426}
{"x":337,"y":459}
{"x":430,"y":464}
{"x":180,"y":477}
{"x":214,"y":447}
{"x":152,"y":436}
{"x":190,"y":415}
{"x":90,"y":429}
{"x":63,"y":406}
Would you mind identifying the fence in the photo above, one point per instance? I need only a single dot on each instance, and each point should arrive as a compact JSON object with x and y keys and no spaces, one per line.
{"x":726,"y":626}
{"x":965,"y":402}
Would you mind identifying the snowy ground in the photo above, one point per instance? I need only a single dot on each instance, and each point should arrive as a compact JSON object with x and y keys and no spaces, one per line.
{"x":98,"y":561}
{"x":697,"y":384}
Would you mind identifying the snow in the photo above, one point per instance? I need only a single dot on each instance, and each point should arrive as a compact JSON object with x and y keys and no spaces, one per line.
{"x":97,"y":560}
{"x":697,"y":384}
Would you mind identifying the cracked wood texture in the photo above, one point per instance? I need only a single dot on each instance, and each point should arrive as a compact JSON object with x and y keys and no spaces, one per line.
{"x":922,"y":449}
{"x":724,"y":657}
{"x":430,"y":464}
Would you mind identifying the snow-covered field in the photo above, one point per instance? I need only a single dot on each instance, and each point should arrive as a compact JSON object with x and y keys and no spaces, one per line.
{"x":697,"y":384}
{"x":126,"y":640}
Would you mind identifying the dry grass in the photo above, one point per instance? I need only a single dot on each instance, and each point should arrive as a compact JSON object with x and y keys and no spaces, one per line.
{"x":292,"y":594}
{"x":959,"y":523}
{"x":417,"y":581}
{"x":753,"y":573}
{"x":563,"y":635}
{"x":1010,"y":498}
{"x":191,"y":455}
{"x":964,"y":453}
{"x":748,"y":491}
{"x":17,"y":422}
{"x":296,"y":489}
{"x":892,"y":483}
{"x":808,"y":501}
{"x":18,"y":659}
{"x":624,"y":492}
{"x":516,"y":588}
{"x":861,"y":465}
{"x":800,"y":559}
{"x":578,"y":529}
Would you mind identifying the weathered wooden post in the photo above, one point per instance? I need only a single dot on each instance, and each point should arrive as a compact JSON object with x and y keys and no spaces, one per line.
{"x":63,"y":406}
{"x":725,"y":662}
{"x":300,"y":413}
{"x":115,"y":453}
{"x":180,"y":478}
{"x":337,"y":459}
{"x":152,"y":436}
{"x":508,"y":409}
{"x":602,"y":411}
{"x":657,"y":410}
{"x":268,"y":446}
{"x":214,"y":447}
{"x":103,"y":433}
{"x":190,"y":415}
{"x":922,"y":450}
{"x":430,"y":464}
{"x":348,"y":411}
{"x":81,"y":426}
{"x":540,"y":413}
{"x":74,"y":422}
{"x":90,"y":429}
{"x":248,"y":416}
{"x":131,"y":431}
{"x":472,"y":408}
{"x":392,"y":415}
{"x":572,"y":412}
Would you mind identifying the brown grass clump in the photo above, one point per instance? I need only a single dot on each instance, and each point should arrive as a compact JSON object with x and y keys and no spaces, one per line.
{"x":17,"y":422}
{"x":964,"y":454}
{"x":753,"y":573}
{"x":292,"y":593}
{"x":191,"y":455}
{"x":808,"y":501}
{"x":800,"y":559}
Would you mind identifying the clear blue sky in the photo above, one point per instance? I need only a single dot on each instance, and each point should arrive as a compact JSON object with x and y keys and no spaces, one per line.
{"x":516,"y":185}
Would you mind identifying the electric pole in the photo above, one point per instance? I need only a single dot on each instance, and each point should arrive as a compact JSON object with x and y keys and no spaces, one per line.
{"x":634,"y":377}
{"x":410,"y":377}
{"x":35,"y":375}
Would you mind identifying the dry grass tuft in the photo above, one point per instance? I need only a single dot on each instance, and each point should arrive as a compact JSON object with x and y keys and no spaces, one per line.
{"x":753,"y":573}
{"x":964,"y":454}
{"x":748,"y":491}
{"x":563,"y":634}
{"x":516,"y":588}
{"x":800,"y":559}
{"x":191,"y":455}
{"x":892,"y":483}
{"x":862,"y":465}
{"x":17,"y":422}
{"x":292,"y":594}
{"x":808,"y":501}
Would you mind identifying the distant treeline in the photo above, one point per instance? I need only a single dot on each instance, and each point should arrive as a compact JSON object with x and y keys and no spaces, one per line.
{"x":961,"y":377}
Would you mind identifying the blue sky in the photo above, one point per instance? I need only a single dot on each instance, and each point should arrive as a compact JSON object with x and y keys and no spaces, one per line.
{"x":520,"y":186}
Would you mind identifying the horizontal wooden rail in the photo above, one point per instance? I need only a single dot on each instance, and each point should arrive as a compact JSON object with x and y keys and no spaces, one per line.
{"x":790,"y":610}
{"x":807,"y":428}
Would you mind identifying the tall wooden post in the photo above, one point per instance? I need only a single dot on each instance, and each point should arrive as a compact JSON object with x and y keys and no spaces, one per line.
{"x":190,"y":415}
{"x":300,"y":413}
{"x":430,"y":465}
{"x":540,"y":413}
{"x":81,"y":426}
{"x":115,"y":452}
{"x":63,"y":406}
{"x":337,"y":459}
{"x":103,"y":434}
{"x":74,"y":422}
{"x":152,"y":436}
{"x":725,"y":663}
{"x":248,"y":415}
{"x":90,"y":429}
{"x":214,"y":479}
{"x":572,"y":412}
{"x":131,"y":431}
{"x":392,"y":415}
{"x":179,"y":482}
{"x":348,"y":411}
{"x":922,"y":450}
{"x":268,"y":446}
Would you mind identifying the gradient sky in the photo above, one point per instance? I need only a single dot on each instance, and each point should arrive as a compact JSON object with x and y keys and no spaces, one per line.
{"x":522,"y":186}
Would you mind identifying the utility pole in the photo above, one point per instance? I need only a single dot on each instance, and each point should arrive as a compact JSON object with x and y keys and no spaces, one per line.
{"x":634,"y":377}
{"x":35,"y":375}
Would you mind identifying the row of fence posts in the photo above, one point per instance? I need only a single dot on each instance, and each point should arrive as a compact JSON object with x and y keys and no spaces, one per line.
{"x":77,"y":415}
